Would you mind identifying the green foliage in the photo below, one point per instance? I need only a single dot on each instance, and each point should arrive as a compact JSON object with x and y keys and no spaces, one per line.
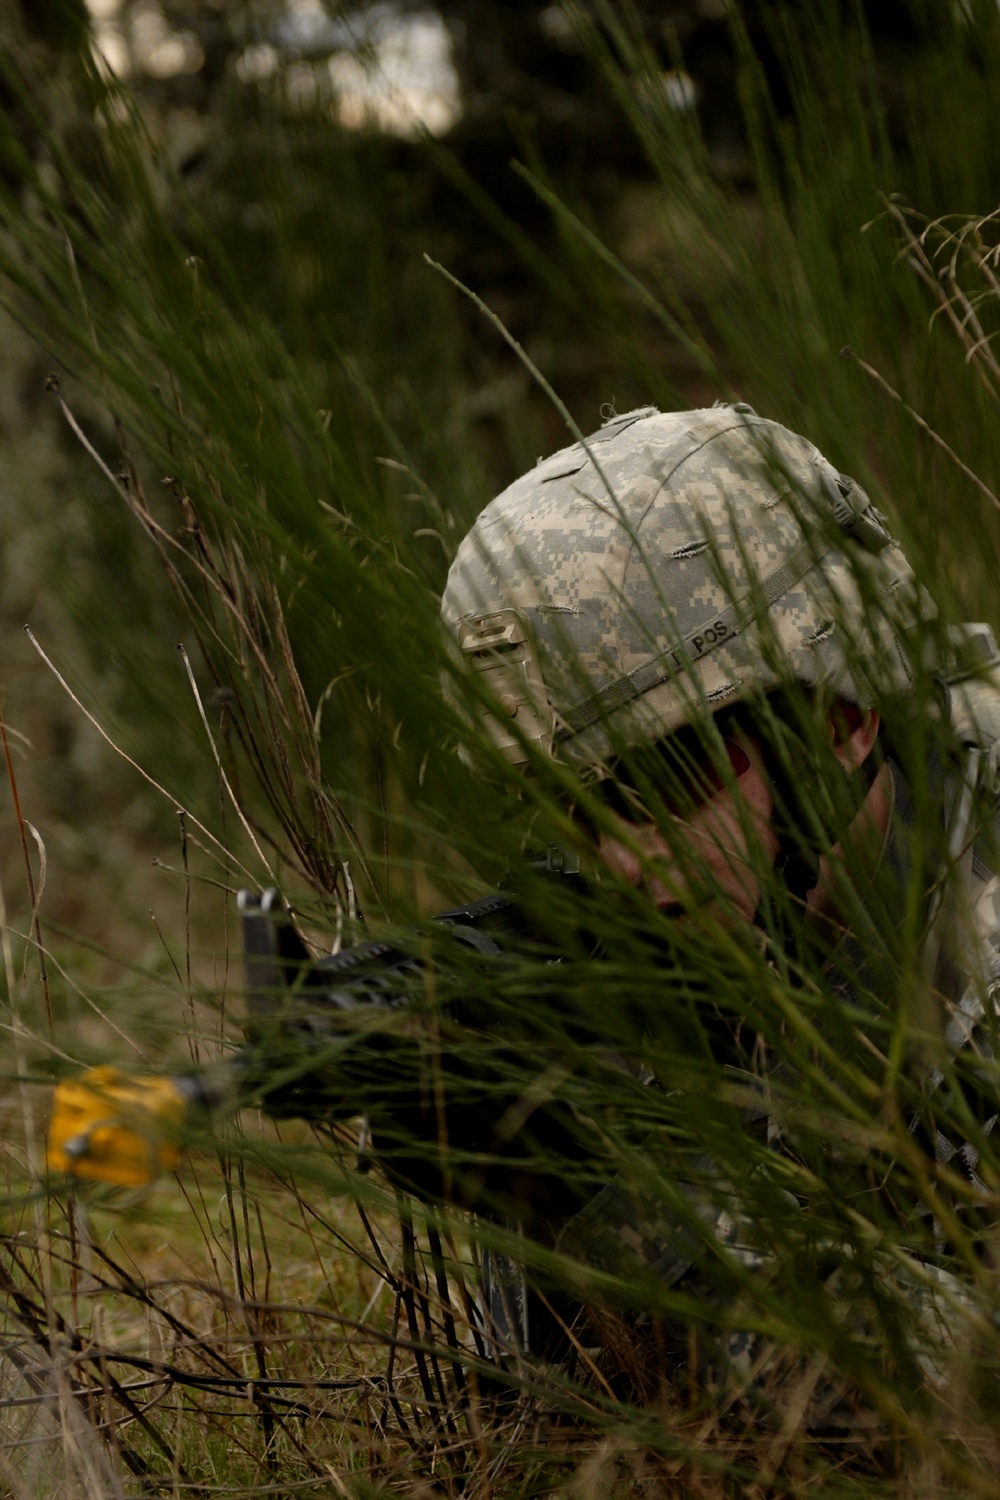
{"x":290,"y":428}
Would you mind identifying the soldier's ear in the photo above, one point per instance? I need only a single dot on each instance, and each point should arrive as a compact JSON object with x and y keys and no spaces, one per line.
{"x":853,"y":732}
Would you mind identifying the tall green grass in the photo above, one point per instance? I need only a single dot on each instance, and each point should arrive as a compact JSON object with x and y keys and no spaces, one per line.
{"x":303,"y":479}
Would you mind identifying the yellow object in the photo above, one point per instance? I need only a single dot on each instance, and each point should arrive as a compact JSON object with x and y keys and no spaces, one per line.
{"x":116,"y":1128}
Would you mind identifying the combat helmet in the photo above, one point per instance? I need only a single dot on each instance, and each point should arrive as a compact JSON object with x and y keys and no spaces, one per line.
{"x":671,"y":565}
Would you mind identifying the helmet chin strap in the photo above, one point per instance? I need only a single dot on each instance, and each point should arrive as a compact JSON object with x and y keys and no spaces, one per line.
{"x":796,"y":868}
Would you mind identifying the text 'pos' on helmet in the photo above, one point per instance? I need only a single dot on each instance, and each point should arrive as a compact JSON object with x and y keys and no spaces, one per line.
{"x":670,"y":565}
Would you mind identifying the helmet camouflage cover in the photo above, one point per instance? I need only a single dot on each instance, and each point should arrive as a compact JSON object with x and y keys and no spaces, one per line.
{"x":670,"y":565}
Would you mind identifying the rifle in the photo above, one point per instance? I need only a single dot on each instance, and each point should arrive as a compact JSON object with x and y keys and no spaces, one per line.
{"x":322,"y":1037}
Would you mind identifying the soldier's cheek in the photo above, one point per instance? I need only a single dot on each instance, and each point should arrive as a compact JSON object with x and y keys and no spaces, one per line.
{"x":621,"y":859}
{"x":646,"y":863}
{"x":736,"y":830}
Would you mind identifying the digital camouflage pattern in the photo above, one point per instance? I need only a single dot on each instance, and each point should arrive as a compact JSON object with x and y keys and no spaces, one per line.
{"x":667,"y":566}
{"x":694,"y":1237}
{"x":687,"y":1240}
{"x":670,"y":1229}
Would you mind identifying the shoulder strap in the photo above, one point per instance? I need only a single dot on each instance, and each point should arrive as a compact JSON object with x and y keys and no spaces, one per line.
{"x":973,"y":698}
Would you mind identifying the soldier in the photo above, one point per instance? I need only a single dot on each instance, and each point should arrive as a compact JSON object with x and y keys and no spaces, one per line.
{"x":716,"y":635}
{"x":702,"y":662}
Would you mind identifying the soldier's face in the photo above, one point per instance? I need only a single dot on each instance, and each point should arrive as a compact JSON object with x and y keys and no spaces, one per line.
{"x":705,"y":861}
